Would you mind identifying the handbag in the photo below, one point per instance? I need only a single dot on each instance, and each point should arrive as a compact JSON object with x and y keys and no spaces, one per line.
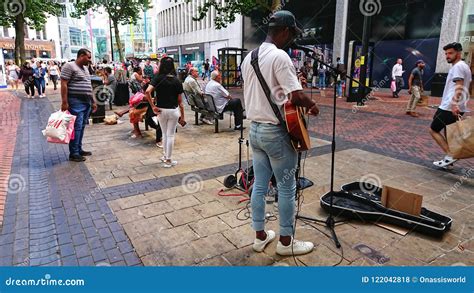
{"x":460,"y":137}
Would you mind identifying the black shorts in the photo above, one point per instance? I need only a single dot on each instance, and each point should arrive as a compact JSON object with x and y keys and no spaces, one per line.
{"x":443,"y":118}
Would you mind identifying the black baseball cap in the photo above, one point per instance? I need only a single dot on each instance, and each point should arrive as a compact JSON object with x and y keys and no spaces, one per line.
{"x":284,"y":18}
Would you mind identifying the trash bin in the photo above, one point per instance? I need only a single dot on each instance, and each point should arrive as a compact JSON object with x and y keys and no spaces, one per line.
{"x":437,"y":84}
{"x":99,"y":115}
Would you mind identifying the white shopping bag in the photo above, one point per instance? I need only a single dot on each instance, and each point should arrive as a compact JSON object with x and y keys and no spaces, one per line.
{"x":58,"y":126}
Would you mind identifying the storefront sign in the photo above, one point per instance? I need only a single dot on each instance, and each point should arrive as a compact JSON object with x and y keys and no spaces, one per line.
{"x":188,"y":49}
{"x":172,"y":50}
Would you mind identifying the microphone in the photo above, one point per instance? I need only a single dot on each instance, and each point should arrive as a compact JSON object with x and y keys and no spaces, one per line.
{"x":305,"y":49}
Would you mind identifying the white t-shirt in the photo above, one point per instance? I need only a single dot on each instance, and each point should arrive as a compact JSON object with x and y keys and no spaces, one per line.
{"x":53,"y":70}
{"x":397,"y":70}
{"x":459,"y":71}
{"x":279,"y":73}
{"x":219,"y":93}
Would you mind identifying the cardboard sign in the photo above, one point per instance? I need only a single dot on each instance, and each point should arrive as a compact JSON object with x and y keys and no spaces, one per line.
{"x":402,"y":201}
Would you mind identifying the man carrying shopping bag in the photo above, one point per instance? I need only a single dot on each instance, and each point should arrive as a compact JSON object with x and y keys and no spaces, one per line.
{"x":77,"y":97}
{"x":454,"y":101}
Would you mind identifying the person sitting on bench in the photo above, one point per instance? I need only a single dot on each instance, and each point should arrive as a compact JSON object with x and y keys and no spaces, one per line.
{"x":223,"y":100}
{"x":191,"y":85}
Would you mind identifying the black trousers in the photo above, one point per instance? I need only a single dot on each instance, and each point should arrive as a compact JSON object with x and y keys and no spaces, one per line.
{"x":54,"y":78}
{"x":149,"y":120}
{"x":400,"y":84}
{"x":29,"y":87}
{"x":235,"y":106}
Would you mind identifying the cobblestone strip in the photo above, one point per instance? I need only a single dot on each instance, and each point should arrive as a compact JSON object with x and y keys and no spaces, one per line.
{"x":54,"y":221}
{"x":9,"y":120}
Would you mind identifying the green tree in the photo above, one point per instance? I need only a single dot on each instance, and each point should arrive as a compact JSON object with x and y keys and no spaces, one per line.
{"x":18,"y":13}
{"x":225,"y":14}
{"x":121,"y":12}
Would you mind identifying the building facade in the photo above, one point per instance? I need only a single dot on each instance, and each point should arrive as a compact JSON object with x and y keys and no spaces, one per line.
{"x":139,"y":40}
{"x":42,"y":43}
{"x":74,"y":34}
{"x":184,"y":39}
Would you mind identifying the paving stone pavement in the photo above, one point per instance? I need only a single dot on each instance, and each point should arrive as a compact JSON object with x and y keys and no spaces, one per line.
{"x":121,"y":207}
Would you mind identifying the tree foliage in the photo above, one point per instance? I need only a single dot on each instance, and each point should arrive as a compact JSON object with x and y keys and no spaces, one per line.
{"x":226,"y":14}
{"x":17,"y":13}
{"x":121,"y":12}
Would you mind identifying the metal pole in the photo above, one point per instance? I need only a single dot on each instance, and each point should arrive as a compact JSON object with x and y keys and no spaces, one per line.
{"x":146,"y":33}
{"x":111,"y":40}
{"x":362,"y":93}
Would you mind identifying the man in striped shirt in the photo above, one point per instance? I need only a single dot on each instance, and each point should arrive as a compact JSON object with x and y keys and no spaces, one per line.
{"x":77,"y":97}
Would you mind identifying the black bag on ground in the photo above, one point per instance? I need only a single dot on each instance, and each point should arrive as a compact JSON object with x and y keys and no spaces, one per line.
{"x":122,"y":94}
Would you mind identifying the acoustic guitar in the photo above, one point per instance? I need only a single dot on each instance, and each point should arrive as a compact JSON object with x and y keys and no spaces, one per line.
{"x":297,"y":127}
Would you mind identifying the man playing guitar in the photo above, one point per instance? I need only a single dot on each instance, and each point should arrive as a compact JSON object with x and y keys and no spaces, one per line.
{"x":273,"y":152}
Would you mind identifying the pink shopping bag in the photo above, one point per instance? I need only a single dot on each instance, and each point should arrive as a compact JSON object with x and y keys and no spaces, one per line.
{"x":393,"y":86}
{"x":60,"y":127}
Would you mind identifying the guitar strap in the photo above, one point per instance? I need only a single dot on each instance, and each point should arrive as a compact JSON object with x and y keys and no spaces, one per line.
{"x":266,"y":89}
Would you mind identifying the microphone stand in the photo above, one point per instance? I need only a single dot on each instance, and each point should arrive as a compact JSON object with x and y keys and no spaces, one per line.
{"x":330,"y":221}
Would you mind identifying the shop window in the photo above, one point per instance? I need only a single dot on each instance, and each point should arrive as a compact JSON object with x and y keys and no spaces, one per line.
{"x":8,"y":54}
{"x":30,"y":54}
{"x":45,"y":54}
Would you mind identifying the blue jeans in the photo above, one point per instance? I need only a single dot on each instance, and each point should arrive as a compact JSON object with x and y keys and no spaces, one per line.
{"x":40,"y":84}
{"x":273,"y":154}
{"x":82,"y":110}
{"x":339,"y":88}
{"x":322,"y":80}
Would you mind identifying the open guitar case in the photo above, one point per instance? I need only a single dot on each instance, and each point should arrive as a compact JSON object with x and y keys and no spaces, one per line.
{"x":354,"y":203}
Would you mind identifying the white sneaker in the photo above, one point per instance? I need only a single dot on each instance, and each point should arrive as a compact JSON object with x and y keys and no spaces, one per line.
{"x":159,"y":144}
{"x":163,"y":159}
{"x":299,"y":248}
{"x":207,"y":121}
{"x":259,"y":245}
{"x":170,"y":164}
{"x":448,"y":160}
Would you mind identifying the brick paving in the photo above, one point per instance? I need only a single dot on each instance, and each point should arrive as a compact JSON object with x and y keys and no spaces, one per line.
{"x":121,"y":207}
{"x":381,"y":126}
{"x":9,"y":120}
{"x":51,"y":222}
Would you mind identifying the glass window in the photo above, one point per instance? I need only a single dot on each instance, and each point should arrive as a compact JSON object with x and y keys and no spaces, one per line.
{"x":26,"y":31}
{"x":30,"y":54}
{"x":38,"y":35}
{"x":5,"y":32}
{"x":75,"y":37}
{"x":8,"y":54}
{"x":467,"y":34}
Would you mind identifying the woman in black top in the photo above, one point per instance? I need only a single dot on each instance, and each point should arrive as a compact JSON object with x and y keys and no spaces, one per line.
{"x":26,"y":74}
{"x":168,"y":90}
